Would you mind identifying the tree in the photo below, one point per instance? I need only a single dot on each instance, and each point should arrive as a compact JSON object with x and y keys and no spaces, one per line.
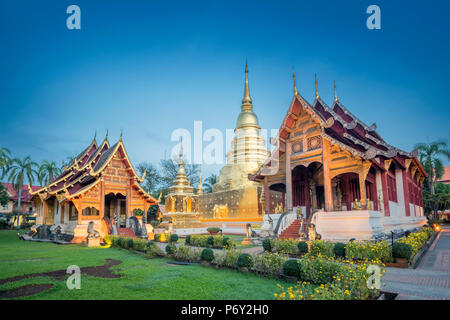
{"x":19,"y":170}
{"x":429,"y":154}
{"x":169,"y":169}
{"x":209,"y":182}
{"x":4,"y":160}
{"x":152,"y":177}
{"x":4,"y":196}
{"x":47,"y":171}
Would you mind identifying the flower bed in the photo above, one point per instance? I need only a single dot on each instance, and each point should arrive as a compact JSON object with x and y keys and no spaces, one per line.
{"x":334,"y":280}
{"x":208,"y":241}
{"x":368,"y":250}
{"x":417,"y":240}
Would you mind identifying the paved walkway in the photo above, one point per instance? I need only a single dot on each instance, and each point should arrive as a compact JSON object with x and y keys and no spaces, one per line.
{"x":430,"y":280}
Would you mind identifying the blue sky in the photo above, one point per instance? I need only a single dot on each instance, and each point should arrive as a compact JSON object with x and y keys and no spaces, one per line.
{"x":150,"y":67}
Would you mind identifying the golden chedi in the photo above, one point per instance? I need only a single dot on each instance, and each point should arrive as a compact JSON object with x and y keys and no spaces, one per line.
{"x":234,"y":195}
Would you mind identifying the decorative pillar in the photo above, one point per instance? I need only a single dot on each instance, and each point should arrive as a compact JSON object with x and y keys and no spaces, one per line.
{"x":102,"y":199}
{"x":326,"y":176}
{"x":288,"y":177}
{"x":78,"y":206}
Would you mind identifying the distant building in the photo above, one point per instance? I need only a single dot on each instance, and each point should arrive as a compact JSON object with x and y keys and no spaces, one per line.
{"x":26,"y":203}
{"x":446,"y":176}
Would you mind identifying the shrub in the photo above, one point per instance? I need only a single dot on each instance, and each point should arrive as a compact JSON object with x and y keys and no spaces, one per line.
{"x":339,"y":249}
{"x":267,"y":245}
{"x":140,"y":245}
{"x":291,"y":268}
{"x":288,"y":246}
{"x":129,"y":243}
{"x":108,"y":239}
{"x":368,"y":250}
{"x":210,"y":241}
{"x":227,"y":242}
{"x":171,"y":249}
{"x":302,"y":247}
{"x":154,"y":223}
{"x":226,"y":258}
{"x":120,"y":241}
{"x":269,"y":263}
{"x":207,"y":255}
{"x":199,"y":240}
{"x":161,"y":237}
{"x":401,"y":250}
{"x":245,"y":260}
{"x":322,"y":248}
{"x":187,"y":240}
{"x":173,"y":237}
{"x":213,"y":229}
{"x":154,"y":251}
{"x":217,"y":242}
{"x":188,"y":254}
{"x":319,"y":270}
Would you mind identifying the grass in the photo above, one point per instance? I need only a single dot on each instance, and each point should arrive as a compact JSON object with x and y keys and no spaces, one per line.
{"x":141,"y":278}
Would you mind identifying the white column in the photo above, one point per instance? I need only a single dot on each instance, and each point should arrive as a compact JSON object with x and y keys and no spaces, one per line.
{"x":400,"y":193}
{"x":380,"y":199}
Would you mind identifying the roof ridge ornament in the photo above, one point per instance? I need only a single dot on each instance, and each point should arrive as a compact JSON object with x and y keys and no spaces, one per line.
{"x":295,"y":84}
{"x":317,"y":87}
{"x":335,"y":94}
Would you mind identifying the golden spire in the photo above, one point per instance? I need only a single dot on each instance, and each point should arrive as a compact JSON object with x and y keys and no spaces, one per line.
{"x":64,"y":165}
{"x":95,"y":135}
{"x":335,"y":95}
{"x":295,"y":85}
{"x":121,"y":133}
{"x":106,"y":137}
{"x":181,"y":152}
{"x":200,"y":186}
{"x":247,"y":101}
{"x":317,"y":87}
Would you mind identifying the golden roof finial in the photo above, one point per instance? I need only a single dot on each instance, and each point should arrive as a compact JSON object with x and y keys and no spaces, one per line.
{"x":317,"y":87}
{"x":64,"y":165}
{"x":335,"y":94}
{"x":106,"y":137}
{"x":247,"y":101}
{"x":95,"y":135}
{"x":121,"y":133}
{"x":295,"y":84}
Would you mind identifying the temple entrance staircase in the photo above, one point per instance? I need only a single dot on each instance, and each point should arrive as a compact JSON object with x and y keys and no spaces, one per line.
{"x":292,"y":232}
{"x":126,"y":232}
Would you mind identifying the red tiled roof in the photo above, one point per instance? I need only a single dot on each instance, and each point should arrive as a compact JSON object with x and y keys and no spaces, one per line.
{"x":446,"y":175}
{"x":25,"y":194}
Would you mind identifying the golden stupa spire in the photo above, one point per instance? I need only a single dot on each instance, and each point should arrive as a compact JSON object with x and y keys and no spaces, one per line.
{"x":317,"y":87}
{"x":335,"y":94}
{"x":247,"y":101}
{"x":181,"y":152}
{"x":200,"y":186}
{"x":295,"y":84}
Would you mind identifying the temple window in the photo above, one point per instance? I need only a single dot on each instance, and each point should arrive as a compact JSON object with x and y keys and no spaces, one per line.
{"x":90,"y":211}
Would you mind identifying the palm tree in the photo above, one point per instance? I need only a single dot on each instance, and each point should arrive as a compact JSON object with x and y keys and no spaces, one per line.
{"x":429,"y":154}
{"x":209,"y":182}
{"x":40,"y":175}
{"x":18,"y":170}
{"x":4,"y":160}
{"x":49,"y":170}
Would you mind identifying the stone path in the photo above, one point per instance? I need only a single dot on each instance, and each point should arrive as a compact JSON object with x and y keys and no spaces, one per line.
{"x":430,"y":280}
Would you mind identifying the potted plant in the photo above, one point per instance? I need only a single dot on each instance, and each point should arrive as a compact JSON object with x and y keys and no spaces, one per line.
{"x":213,"y":230}
{"x":401,"y":252}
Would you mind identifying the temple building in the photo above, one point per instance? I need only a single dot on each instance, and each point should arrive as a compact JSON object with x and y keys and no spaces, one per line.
{"x":341,"y":174}
{"x":98,"y":185}
{"x":234,"y":196}
{"x":181,"y":204}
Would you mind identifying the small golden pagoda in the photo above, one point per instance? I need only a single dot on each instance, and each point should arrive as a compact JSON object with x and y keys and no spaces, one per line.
{"x":181,"y":203}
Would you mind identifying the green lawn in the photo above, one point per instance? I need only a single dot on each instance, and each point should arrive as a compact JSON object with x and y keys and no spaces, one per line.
{"x":141,"y":278}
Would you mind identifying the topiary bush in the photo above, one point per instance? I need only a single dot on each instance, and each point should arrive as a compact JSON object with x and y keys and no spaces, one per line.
{"x":302,"y":247}
{"x":213,"y":229}
{"x":322,"y":248}
{"x":210,"y":241}
{"x":339,"y":249}
{"x":291,"y":268}
{"x":267,"y":245}
{"x":245,"y":260}
{"x":187,"y":240}
{"x":402,"y":250}
{"x":207,"y":255}
{"x":129,"y":243}
{"x":140,"y":245}
{"x":227,"y":242}
{"x":171,"y":249}
{"x":173,"y":237}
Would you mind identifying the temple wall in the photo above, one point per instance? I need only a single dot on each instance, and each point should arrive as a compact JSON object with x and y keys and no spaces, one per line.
{"x":240,"y":203}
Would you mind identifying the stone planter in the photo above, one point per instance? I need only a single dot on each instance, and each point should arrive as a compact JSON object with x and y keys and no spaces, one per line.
{"x":213,"y":233}
{"x":401,"y":260}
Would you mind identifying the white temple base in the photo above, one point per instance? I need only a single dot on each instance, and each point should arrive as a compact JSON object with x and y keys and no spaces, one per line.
{"x":360,"y":225}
